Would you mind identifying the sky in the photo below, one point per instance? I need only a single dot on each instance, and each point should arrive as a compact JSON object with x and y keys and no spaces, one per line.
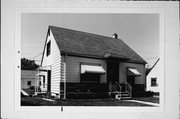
{"x":138,"y":31}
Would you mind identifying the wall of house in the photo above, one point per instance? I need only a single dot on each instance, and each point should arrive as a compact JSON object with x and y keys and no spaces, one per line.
{"x":24,"y":82}
{"x":74,"y":67}
{"x":53,"y":60}
{"x":154,"y":73}
{"x":27,"y":75}
{"x":123,"y":73}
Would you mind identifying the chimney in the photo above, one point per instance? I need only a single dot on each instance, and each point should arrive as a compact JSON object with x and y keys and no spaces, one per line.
{"x":115,"y":35}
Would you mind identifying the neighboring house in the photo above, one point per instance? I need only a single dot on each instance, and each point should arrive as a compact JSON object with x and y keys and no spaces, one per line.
{"x":78,"y":61}
{"x":152,"y":79}
{"x":27,"y":78}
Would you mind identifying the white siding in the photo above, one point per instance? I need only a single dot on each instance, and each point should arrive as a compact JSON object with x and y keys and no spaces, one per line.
{"x":27,"y":75}
{"x":53,"y":60}
{"x":73,"y":67}
{"x":139,"y":67}
{"x":24,"y":82}
{"x":155,"y":72}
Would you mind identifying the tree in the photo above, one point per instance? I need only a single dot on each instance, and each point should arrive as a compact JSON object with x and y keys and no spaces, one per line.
{"x":27,"y":64}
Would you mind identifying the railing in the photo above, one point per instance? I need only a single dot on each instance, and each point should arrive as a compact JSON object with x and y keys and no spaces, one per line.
{"x":118,"y":89}
{"x":128,"y":88}
{"x":115,"y":88}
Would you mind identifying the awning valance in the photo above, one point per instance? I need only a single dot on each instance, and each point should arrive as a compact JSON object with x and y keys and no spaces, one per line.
{"x":44,"y":68}
{"x":134,"y":72}
{"x":92,"y":69}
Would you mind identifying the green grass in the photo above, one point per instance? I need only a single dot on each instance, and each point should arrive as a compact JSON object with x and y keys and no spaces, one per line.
{"x":34,"y":101}
{"x":148,"y":99}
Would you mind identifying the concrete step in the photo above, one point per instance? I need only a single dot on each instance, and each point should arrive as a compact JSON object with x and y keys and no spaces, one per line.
{"x":123,"y":95}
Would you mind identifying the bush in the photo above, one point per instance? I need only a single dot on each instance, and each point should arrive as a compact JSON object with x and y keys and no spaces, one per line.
{"x":87,"y":95}
{"x":156,"y":93}
{"x":143,"y":94}
{"x":32,"y":87}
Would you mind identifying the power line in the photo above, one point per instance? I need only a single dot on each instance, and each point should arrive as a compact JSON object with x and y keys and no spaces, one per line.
{"x":36,"y":56}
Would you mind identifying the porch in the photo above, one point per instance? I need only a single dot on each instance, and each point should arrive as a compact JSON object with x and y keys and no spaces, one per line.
{"x":95,"y":90}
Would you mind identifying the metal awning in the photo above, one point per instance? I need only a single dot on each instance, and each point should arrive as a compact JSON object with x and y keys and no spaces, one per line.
{"x":92,"y":69}
{"x":134,"y":72}
{"x":44,"y":68}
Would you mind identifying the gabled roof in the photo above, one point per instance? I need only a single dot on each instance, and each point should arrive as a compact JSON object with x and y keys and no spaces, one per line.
{"x":149,"y":70}
{"x":92,"y":45}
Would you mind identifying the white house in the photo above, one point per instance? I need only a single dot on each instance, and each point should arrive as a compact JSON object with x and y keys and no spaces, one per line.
{"x":153,"y":78}
{"x":76,"y":61}
{"x":27,"y":78}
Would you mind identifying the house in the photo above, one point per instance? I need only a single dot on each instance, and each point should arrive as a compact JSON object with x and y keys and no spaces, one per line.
{"x":27,"y":78}
{"x":76,"y":61}
{"x":153,"y":78}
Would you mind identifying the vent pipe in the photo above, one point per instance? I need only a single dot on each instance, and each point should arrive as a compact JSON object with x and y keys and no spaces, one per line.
{"x":115,"y":35}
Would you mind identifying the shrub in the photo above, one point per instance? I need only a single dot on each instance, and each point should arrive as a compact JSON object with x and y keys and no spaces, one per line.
{"x":32,"y":87}
{"x":156,"y":93}
{"x":143,"y":94}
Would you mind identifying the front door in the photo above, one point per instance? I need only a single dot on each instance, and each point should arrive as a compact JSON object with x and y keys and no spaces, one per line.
{"x":112,"y":74}
{"x":131,"y":82}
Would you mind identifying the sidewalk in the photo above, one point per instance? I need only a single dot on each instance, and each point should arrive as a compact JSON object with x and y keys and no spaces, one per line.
{"x":143,"y":102}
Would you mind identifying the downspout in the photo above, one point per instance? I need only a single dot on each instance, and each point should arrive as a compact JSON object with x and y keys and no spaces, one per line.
{"x":65,"y":60}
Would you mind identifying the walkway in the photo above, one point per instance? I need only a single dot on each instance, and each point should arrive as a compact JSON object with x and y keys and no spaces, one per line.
{"x":143,"y":102}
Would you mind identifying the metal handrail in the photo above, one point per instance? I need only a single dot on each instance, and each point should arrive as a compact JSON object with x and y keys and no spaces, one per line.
{"x":128,"y":88}
{"x":120,"y":88}
{"x":118,"y":85}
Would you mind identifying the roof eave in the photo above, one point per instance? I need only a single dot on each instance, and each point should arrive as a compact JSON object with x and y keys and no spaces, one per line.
{"x":99,"y":57}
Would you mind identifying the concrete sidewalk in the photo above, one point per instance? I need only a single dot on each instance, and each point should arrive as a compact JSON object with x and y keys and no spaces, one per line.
{"x":143,"y":102}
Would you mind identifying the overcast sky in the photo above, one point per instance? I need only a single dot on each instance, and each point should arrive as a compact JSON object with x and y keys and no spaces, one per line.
{"x":139,"y":31}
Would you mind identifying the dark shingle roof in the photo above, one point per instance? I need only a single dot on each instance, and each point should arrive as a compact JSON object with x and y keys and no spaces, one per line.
{"x":87,"y":44}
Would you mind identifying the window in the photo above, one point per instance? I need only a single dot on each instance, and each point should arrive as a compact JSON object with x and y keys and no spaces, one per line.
{"x":91,"y":72}
{"x":48,"y":51}
{"x":28,"y":83}
{"x":154,"y":82}
{"x":90,"y":78}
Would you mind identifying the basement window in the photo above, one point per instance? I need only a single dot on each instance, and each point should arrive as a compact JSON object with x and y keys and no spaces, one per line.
{"x":154,"y":82}
{"x":48,"y":51}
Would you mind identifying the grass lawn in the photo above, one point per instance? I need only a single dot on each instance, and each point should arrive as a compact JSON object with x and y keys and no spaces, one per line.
{"x":34,"y":101}
{"x":148,"y":99}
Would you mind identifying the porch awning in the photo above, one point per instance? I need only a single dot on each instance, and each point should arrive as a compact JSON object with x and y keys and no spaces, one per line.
{"x":44,"y":68}
{"x":41,"y":73}
{"x":92,"y":69}
{"x":134,"y":72}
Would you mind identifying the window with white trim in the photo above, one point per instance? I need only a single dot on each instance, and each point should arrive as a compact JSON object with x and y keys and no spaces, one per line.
{"x":154,"y":82}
